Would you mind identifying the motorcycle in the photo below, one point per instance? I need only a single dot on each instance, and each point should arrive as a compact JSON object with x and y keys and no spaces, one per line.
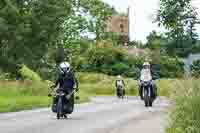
{"x":63,"y":103}
{"x":147,"y":93}
{"x":120,"y":92}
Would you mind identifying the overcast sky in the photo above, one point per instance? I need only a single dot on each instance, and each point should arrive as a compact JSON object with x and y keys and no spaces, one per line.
{"x":142,"y":14}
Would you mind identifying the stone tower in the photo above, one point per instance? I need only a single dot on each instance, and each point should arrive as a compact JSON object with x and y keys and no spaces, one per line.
{"x":119,"y":24}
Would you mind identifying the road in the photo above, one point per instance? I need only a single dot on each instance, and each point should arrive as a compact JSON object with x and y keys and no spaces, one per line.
{"x":101,"y":115}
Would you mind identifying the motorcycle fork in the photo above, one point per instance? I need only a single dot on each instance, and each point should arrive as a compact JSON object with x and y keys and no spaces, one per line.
{"x":143,"y":91}
{"x":149,"y":91}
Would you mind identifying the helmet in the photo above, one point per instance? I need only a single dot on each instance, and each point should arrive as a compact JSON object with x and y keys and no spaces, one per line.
{"x":146,"y":65}
{"x":119,"y":77}
{"x":64,"y":67}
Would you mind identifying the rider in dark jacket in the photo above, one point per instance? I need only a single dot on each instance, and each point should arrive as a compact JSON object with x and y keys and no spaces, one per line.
{"x":66,"y":79}
{"x":67,"y":82}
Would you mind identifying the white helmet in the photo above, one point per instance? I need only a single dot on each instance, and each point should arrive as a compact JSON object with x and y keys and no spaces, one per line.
{"x":64,"y":67}
{"x":146,"y":64}
{"x":119,"y":77}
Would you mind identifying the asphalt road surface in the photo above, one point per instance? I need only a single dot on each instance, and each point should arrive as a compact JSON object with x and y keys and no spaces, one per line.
{"x":101,"y":115}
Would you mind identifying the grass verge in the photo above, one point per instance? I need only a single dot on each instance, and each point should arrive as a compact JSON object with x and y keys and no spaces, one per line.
{"x":185,"y":115}
{"x":18,"y":95}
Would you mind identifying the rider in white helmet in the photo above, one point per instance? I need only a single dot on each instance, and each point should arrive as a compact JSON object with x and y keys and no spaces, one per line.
{"x":146,"y":72}
{"x":119,"y":83}
{"x":67,"y":81}
{"x":145,"y":75}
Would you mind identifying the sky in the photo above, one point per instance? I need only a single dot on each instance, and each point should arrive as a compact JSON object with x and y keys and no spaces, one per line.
{"x":142,"y":15}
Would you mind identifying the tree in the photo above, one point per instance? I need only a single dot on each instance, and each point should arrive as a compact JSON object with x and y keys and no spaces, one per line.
{"x":100,"y":12}
{"x":87,"y":18}
{"x":153,"y":40}
{"x":179,"y":18}
{"x":29,"y":28}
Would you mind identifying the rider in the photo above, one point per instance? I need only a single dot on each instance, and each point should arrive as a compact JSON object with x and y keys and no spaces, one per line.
{"x":119,"y":83}
{"x":67,"y":81}
{"x":146,"y":76}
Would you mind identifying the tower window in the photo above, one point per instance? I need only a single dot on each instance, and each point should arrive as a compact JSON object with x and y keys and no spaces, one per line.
{"x":121,"y":27}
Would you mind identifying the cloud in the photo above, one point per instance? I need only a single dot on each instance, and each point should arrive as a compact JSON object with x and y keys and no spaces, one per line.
{"x":142,"y":15}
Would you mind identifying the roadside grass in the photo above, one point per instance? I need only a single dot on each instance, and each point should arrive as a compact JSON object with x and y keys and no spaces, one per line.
{"x":101,"y":84}
{"x":165,"y":86}
{"x":185,"y":115}
{"x":185,"y":95}
{"x":17,"y":103}
{"x":24,"y":95}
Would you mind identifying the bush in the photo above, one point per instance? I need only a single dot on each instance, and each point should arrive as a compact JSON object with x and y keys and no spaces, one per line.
{"x":112,"y":60}
{"x":7,"y":64}
{"x":4,"y":75}
{"x":107,"y":56}
{"x":108,"y":60}
{"x":119,"y":68}
{"x":27,"y":73}
{"x":195,"y":68}
{"x":171,"y":67}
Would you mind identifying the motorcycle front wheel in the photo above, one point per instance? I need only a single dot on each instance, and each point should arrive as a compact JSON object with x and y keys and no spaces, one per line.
{"x":146,"y":98}
{"x":59,"y":108}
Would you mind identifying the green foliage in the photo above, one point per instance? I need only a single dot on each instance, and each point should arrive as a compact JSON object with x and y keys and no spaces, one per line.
{"x":21,"y":95}
{"x":153,"y":40}
{"x":196,"y":68}
{"x":171,"y":67}
{"x":101,"y":84}
{"x":31,"y":31}
{"x":7,"y":65}
{"x":164,"y":86}
{"x":119,"y":68}
{"x":27,"y":73}
{"x":22,"y":103}
{"x":29,"y":28}
{"x":185,"y":116}
{"x":179,"y":17}
{"x":17,"y":95}
{"x":109,"y":59}
{"x":100,"y":12}
{"x":137,"y":44}
{"x":113,"y":37}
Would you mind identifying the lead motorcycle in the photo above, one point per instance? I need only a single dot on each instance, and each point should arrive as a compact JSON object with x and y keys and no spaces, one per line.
{"x":63,"y":103}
